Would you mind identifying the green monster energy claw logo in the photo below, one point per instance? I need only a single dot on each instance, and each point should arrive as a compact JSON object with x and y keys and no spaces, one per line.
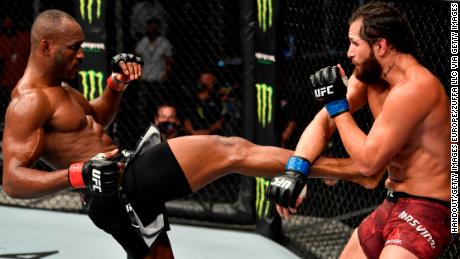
{"x":91,"y":82}
{"x":264,"y":104}
{"x":265,"y":14}
{"x":86,"y":11}
{"x":262,"y":205}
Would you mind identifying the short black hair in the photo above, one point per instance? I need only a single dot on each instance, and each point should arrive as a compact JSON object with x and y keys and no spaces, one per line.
{"x":48,"y":24}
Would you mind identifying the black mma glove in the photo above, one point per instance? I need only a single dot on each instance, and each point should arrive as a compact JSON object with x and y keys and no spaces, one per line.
{"x":99,"y":175}
{"x":114,"y":83}
{"x":329,"y":89}
{"x":286,"y":188}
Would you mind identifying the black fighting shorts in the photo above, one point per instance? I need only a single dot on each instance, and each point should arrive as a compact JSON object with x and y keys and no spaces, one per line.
{"x":152,"y":177}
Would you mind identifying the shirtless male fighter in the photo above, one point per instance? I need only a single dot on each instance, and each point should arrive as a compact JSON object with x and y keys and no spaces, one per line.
{"x":49,"y":120}
{"x":409,"y":137}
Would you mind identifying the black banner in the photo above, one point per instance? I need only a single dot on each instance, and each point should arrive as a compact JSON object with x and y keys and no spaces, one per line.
{"x":265,"y":88}
{"x":268,"y":222}
{"x":91,"y":15}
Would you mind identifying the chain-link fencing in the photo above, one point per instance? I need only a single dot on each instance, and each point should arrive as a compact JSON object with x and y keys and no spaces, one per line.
{"x":203,"y":37}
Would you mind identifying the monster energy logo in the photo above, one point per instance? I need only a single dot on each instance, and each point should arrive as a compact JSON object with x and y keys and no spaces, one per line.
{"x":264,"y":104}
{"x":265,"y":14}
{"x":86,"y":9}
{"x":92,"y":82}
{"x":262,"y":205}
{"x":263,"y":58}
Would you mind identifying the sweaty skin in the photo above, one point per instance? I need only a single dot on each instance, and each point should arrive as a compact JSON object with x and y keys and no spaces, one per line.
{"x":47,"y":119}
{"x":411,"y":130}
{"x":409,"y":136}
{"x":70,"y":134}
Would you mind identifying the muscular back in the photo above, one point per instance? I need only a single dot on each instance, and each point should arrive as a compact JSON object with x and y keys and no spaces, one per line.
{"x":421,"y":167}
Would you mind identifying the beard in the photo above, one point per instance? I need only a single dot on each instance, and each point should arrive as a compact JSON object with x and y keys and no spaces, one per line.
{"x":370,"y":70}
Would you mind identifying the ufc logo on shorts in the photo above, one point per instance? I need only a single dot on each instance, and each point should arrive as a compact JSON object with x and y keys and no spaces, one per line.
{"x":321,"y":91}
{"x":280,"y":182}
{"x":96,"y":178}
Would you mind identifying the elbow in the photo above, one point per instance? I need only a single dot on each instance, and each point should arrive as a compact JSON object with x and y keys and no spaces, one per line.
{"x":11,"y":191}
{"x":369,"y":162}
{"x":371,"y":185}
{"x":367,"y":176}
{"x":373,"y":181}
{"x":367,"y":169}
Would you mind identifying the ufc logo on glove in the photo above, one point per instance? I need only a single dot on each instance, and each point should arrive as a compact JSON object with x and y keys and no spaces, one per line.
{"x":319,"y":92}
{"x":97,"y":180}
{"x":280,"y":182}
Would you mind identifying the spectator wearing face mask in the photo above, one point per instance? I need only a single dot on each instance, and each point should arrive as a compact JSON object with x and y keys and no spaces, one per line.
{"x":166,"y":119}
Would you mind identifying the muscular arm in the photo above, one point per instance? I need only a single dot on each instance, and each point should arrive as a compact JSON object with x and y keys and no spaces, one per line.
{"x":318,"y":132}
{"x":22,"y":144}
{"x":315,"y":138}
{"x":105,"y":107}
{"x":336,"y":168}
{"x":343,"y":169}
{"x":404,"y":109}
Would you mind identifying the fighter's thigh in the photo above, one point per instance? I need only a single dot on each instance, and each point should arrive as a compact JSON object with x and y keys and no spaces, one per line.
{"x":353,"y":248}
{"x":396,"y":252}
{"x":205,"y":158}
